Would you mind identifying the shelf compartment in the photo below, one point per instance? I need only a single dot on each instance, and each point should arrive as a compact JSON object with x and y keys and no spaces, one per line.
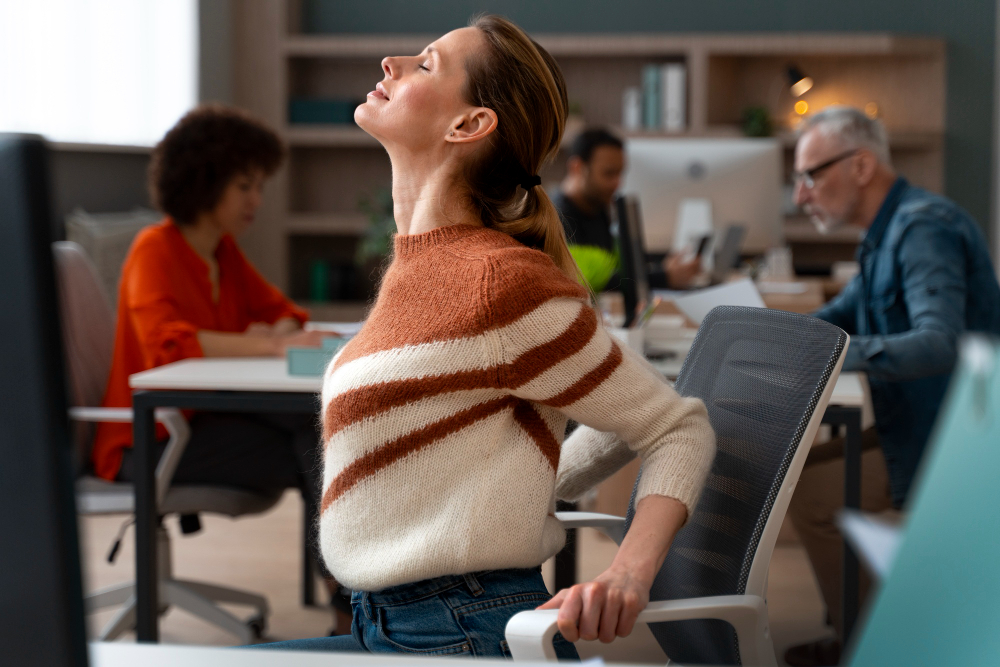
{"x":346,"y":136}
{"x":326,"y":224}
{"x":635,"y":44}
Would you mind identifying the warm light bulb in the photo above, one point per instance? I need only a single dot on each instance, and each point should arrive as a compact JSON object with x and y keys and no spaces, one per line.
{"x":871,"y":110}
{"x":802,"y":107}
{"x":802,"y":86}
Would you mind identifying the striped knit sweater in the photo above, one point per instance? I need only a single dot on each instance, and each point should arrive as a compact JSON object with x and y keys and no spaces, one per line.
{"x":444,"y":417}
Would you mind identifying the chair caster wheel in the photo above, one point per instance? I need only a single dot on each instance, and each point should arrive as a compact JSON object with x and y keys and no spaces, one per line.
{"x":258,"y":626}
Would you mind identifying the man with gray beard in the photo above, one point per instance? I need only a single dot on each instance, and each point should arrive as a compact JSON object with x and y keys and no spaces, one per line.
{"x":926,"y":279}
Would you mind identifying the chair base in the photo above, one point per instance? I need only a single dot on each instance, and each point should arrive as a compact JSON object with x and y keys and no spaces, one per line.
{"x":197,"y":598}
{"x":194,"y":597}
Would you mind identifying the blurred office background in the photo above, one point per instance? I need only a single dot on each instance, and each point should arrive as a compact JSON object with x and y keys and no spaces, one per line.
{"x":103,"y":79}
{"x":130,"y":69}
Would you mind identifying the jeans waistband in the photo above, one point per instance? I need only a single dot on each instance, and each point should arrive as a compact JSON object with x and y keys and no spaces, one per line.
{"x":404,"y":593}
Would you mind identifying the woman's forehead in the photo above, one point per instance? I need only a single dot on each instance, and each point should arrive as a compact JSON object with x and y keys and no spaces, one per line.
{"x":457,"y":42}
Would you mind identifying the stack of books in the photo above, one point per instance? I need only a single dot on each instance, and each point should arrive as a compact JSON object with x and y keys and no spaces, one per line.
{"x":661,"y":103}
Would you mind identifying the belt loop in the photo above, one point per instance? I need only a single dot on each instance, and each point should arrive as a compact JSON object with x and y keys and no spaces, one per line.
{"x":366,"y":605}
{"x":473,"y":584}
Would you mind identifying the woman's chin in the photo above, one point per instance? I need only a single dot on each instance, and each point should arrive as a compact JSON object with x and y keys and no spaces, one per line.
{"x":363,"y":118}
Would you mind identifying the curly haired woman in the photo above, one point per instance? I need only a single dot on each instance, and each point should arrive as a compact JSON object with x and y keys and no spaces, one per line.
{"x":188,"y":291}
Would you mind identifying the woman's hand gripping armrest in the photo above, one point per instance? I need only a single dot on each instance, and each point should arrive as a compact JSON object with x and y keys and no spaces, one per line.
{"x":608,"y":606}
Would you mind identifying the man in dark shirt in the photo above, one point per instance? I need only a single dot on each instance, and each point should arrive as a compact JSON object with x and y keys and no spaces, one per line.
{"x":593,"y":174}
{"x":926,"y":278}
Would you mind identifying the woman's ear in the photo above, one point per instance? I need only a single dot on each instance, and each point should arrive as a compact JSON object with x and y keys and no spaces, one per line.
{"x":477,"y":124}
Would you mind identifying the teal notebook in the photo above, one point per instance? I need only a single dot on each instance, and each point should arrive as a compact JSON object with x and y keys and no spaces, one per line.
{"x":940,"y":604}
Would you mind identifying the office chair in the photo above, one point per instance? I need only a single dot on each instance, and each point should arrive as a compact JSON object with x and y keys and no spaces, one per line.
{"x":88,"y":325}
{"x":766,"y":377}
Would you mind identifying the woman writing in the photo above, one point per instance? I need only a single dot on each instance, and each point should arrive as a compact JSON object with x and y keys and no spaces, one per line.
{"x":187,"y":291}
{"x":444,"y":418}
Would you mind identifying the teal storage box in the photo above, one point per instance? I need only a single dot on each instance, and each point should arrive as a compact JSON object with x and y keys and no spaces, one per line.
{"x":312,"y":361}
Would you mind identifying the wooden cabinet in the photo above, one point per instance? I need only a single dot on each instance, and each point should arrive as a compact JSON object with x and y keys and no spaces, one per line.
{"x":314,"y":200}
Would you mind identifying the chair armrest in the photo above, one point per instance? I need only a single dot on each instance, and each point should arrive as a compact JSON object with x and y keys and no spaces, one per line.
{"x":171,"y":418}
{"x":609,"y":524}
{"x":529,"y":634}
{"x":179,"y":430}
{"x":117,"y":415}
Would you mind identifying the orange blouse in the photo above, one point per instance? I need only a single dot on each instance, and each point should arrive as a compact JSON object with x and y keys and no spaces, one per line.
{"x":164,"y":299}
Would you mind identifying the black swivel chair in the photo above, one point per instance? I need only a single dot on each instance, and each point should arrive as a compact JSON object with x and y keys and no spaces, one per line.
{"x":766,"y":377}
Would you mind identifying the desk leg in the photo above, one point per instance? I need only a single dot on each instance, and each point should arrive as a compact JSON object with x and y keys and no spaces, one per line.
{"x":146,"y":585}
{"x":852,"y":500}
{"x":565,"y":561}
{"x":308,"y":569}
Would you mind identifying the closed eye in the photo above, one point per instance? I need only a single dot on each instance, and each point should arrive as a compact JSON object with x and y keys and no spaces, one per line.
{"x":424,"y":68}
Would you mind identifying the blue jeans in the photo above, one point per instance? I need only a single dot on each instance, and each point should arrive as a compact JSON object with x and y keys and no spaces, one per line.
{"x":452,"y":615}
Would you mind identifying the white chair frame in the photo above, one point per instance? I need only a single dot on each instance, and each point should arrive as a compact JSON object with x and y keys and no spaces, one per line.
{"x":198,"y":598}
{"x":529,"y":634}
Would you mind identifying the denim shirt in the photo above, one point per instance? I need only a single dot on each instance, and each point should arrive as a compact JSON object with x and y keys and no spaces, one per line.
{"x":926,"y":277}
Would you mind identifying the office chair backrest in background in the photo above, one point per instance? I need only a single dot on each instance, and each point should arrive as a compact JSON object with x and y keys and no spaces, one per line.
{"x":41,"y":601}
{"x":89,"y":336}
{"x":761,"y":374}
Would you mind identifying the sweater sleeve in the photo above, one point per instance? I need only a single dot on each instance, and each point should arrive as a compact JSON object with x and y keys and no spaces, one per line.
{"x":266,"y":303}
{"x":559,"y":355}
{"x":152,"y":304}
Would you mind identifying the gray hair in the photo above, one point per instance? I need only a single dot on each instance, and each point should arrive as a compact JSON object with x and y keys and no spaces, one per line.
{"x":853,"y":128}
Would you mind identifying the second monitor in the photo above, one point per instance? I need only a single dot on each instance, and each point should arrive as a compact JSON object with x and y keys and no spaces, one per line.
{"x":741,"y":178}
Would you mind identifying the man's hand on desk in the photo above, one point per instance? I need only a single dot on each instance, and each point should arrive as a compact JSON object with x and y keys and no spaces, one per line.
{"x":681,"y":269}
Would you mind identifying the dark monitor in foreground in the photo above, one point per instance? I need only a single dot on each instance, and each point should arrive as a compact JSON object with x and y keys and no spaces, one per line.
{"x":634,"y":283}
{"x":41,"y":605}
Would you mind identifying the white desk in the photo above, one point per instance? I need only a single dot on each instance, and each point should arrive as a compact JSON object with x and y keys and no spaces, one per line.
{"x":272,"y":375}
{"x":223,"y":374}
{"x":222,"y":385}
{"x":115,"y":654}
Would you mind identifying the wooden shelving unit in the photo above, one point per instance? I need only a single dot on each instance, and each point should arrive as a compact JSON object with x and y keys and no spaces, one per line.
{"x":332,"y":166}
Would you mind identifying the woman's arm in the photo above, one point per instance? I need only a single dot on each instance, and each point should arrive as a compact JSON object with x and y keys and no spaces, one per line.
{"x":608,"y":606}
{"x":224,"y":344}
{"x":560,"y":357}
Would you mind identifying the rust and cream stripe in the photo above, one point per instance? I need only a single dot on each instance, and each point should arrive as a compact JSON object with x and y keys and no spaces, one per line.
{"x":444,"y":418}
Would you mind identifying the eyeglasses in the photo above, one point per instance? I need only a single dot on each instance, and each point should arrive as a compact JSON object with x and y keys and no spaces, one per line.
{"x":807,"y":177}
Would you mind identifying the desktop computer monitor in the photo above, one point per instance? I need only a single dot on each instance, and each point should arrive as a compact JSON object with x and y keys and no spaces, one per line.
{"x":741,"y":178}
{"x":634,"y":282}
{"x":41,"y":602}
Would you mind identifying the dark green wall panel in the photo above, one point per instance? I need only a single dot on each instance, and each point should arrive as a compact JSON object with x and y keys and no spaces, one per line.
{"x":968,"y":26}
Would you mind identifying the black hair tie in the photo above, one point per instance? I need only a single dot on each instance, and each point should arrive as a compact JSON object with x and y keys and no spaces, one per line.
{"x":531,"y":181}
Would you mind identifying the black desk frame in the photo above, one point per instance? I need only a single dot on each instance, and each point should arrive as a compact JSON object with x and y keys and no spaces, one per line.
{"x":850,"y":419}
{"x":144,"y":404}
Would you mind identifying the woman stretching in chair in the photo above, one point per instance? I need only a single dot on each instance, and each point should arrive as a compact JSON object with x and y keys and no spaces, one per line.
{"x":444,"y":417}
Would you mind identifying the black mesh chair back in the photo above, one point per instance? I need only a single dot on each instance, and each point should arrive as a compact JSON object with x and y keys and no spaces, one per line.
{"x":761,"y":374}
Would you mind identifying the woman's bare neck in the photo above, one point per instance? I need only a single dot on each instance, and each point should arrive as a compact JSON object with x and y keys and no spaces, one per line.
{"x":427,"y":196}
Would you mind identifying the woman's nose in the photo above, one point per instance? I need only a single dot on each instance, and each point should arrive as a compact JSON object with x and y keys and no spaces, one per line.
{"x":387,"y":66}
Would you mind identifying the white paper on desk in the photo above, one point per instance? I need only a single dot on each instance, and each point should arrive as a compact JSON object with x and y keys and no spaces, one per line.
{"x":778,"y":287}
{"x":697,"y":304}
{"x":875,"y":541}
